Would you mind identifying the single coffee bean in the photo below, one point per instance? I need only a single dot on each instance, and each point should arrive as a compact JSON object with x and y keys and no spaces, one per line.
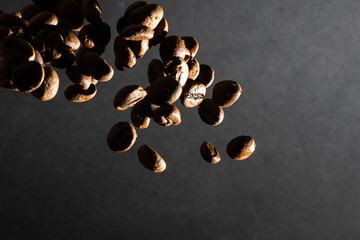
{"x":11,"y":21}
{"x":40,"y":38}
{"x":121,"y":24}
{"x":139,"y":47}
{"x":155,"y":70}
{"x":150,"y":159}
{"x":206,"y":75}
{"x":121,"y":137}
{"x":160,"y":32}
{"x":192,"y":44}
{"x":16,"y":50}
{"x":95,"y":36}
{"x":31,"y":10}
{"x":70,"y":14}
{"x":128,"y":96}
{"x":137,"y":32}
{"x":70,"y":39}
{"x":97,"y":67}
{"x":241,"y":147}
{"x":167,"y":115}
{"x":50,"y":86}
{"x":193,"y":94}
{"x":194,"y":68}
{"x":226,"y":93}
{"x":76,"y":93}
{"x":124,"y":55}
{"x":141,"y":114}
{"x":178,"y":69}
{"x":165,"y":90}
{"x":210,"y":113}
{"x":28,"y":76}
{"x":4,"y":32}
{"x":92,"y":11}
{"x":66,"y":60}
{"x":173,"y":46}
{"x":42,"y":20}
{"x":148,"y":15}
{"x":209,"y":153}
{"x":133,"y":6}
{"x":78,"y":76}
{"x":54,"y":47}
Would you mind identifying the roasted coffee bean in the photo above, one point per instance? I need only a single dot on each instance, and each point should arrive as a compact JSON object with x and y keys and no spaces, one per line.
{"x":194,"y":68}
{"x":40,"y":38}
{"x":121,"y":137}
{"x":150,"y":159}
{"x":50,"y":86}
{"x":6,"y":75}
{"x":4,"y":32}
{"x":209,"y":153}
{"x":149,"y":15}
{"x":139,"y":48}
{"x":92,"y":11}
{"x":165,"y":90}
{"x":70,"y":14}
{"x":31,"y":10}
{"x":118,"y":65}
{"x":128,"y":96}
{"x":155,"y":70}
{"x":210,"y":113}
{"x":39,"y":58}
{"x":206,"y":75}
{"x":167,"y":115}
{"x":70,"y":39}
{"x":191,"y":44}
{"x":173,"y":46}
{"x":77,"y":76}
{"x":193,"y":94}
{"x":28,"y":76}
{"x":133,"y":6}
{"x":160,"y":32}
{"x":178,"y":69}
{"x":226,"y":93}
{"x":95,"y":36}
{"x":97,"y":67}
{"x":11,"y":21}
{"x":43,"y":20}
{"x":76,"y":93}
{"x":141,"y":114}
{"x":66,"y":60}
{"x":16,"y":50}
{"x":121,"y":24}
{"x":241,"y":147}
{"x":54,"y":47}
{"x":124,"y":55}
{"x":137,"y":32}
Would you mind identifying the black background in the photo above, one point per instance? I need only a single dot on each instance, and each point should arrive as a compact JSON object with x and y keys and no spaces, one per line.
{"x":298,"y":64}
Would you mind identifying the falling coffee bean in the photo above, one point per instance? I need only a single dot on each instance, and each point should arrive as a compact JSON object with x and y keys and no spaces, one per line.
{"x":150,"y":159}
{"x":167,"y":115}
{"x":76,"y":93}
{"x":121,"y":24}
{"x":16,"y":50}
{"x":139,"y":48}
{"x":95,"y":36}
{"x":43,"y":20}
{"x":193,"y":94}
{"x":160,"y":32}
{"x":148,"y":15}
{"x":192,"y":44}
{"x":155,"y":70}
{"x":133,"y":6}
{"x":31,"y":10}
{"x":141,"y":114}
{"x":121,"y":137}
{"x":49,"y":87}
{"x":206,"y":75}
{"x":165,"y":90}
{"x":209,"y":153}
{"x":210,"y":113}
{"x":178,"y":69}
{"x":128,"y":96}
{"x":92,"y":11}
{"x":28,"y":76}
{"x":66,"y":60}
{"x":137,"y":32}
{"x":70,"y":14}
{"x":78,"y":76}
{"x":194,"y":68}
{"x":241,"y":147}
{"x":97,"y":67}
{"x":70,"y":39}
{"x":173,"y":46}
{"x":225,"y":93}
{"x":124,"y":55}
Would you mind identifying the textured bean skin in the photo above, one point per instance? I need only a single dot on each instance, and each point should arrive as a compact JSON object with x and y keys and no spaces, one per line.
{"x":209,"y":153}
{"x":241,"y":147}
{"x":150,"y":159}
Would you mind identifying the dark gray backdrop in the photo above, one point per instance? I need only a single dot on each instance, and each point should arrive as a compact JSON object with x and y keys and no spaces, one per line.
{"x":298,"y":63}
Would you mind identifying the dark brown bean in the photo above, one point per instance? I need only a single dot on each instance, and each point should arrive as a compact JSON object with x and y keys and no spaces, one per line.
{"x":193,"y":94}
{"x":209,"y":153}
{"x":160,"y":32}
{"x":194,"y":68}
{"x":43,"y":20}
{"x":78,"y":76}
{"x":95,"y":36}
{"x":124,"y":55}
{"x":173,"y":46}
{"x":70,"y":39}
{"x":163,"y":91}
{"x":241,"y":147}
{"x":97,"y":67}
{"x":121,"y":137}
{"x":49,"y":87}
{"x":206,"y":75}
{"x":128,"y":96}
{"x":70,"y":14}
{"x":226,"y":93}
{"x":121,"y":24}
{"x":76,"y":93}
{"x":155,"y":70}
{"x":192,"y":44}
{"x":54,"y":47}
{"x":16,"y":50}
{"x":92,"y":11}
{"x":31,"y":10}
{"x":137,"y":32}
{"x":141,"y":114}
{"x":66,"y":60}
{"x":178,"y":69}
{"x":210,"y":113}
{"x":150,"y":159}
{"x":139,"y":48}
{"x":148,"y":15}
{"x":28,"y":76}
{"x":11,"y":21}
{"x":167,"y":115}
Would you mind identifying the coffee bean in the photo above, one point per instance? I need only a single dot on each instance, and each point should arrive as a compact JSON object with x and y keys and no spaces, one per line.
{"x":193,"y":94}
{"x":16,"y":50}
{"x":43,"y":20}
{"x":192,"y":44}
{"x":28,"y":76}
{"x":141,"y":114}
{"x":139,"y":48}
{"x":6,"y":75}
{"x":241,"y":147}
{"x":49,"y":88}
{"x":31,"y":10}
{"x":54,"y":47}
{"x":128,"y":96}
{"x":133,"y":6}
{"x":76,"y":93}
{"x":124,"y":55}
{"x":92,"y":11}
{"x":66,"y":60}
{"x":150,"y":159}
{"x":11,"y":21}
{"x":160,"y":32}
{"x":70,"y":14}
{"x":137,"y":32}
{"x":95,"y":36}
{"x":77,"y":76}
{"x":206,"y":75}
{"x":178,"y":69}
{"x":4,"y":32}
{"x":173,"y":46}
{"x":210,"y":113}
{"x":226,"y":93}
{"x":209,"y":153}
{"x":155,"y":70}
{"x":118,"y":65}
{"x":148,"y":15}
{"x":121,"y":24}
{"x":165,"y":90}
{"x":194,"y":68}
{"x":167,"y":115}
{"x":121,"y":137}
{"x":70,"y":39}
{"x":40,"y":38}
{"x":97,"y":67}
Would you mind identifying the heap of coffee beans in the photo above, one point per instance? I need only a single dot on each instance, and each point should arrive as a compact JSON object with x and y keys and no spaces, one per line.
{"x":43,"y":34}
{"x":141,"y":27}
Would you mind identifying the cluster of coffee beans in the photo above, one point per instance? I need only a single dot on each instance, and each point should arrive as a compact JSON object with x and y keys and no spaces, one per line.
{"x":141,"y":27}
{"x":43,"y":33}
